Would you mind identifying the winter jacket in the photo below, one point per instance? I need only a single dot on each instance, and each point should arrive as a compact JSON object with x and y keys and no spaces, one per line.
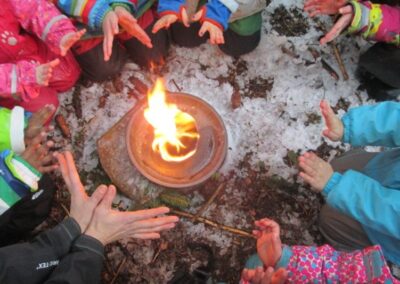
{"x":372,"y":197}
{"x":59,"y":255}
{"x":28,"y":30}
{"x":376,"y":22}
{"x":218,"y":12}
{"x":307,"y":264}
{"x":92,"y":12}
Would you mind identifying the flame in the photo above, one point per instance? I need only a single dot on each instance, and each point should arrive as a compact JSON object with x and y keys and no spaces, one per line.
{"x":175,"y":132}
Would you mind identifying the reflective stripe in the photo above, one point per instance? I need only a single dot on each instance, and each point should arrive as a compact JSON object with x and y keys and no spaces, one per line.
{"x":232,"y":5}
{"x":14,"y":79}
{"x":3,"y":207}
{"x":50,"y":24}
{"x":17,"y":124}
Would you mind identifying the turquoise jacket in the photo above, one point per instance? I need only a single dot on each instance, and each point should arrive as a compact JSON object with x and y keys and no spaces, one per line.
{"x":372,"y":196}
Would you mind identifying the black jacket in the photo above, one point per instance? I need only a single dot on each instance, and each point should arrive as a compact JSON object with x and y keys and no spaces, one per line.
{"x":59,"y":255}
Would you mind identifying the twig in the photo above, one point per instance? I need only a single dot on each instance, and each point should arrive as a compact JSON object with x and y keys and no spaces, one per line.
{"x":176,"y":85}
{"x":213,"y":224}
{"x":121,"y":265}
{"x":330,"y":70}
{"x":65,"y":208}
{"x":208,"y":203}
{"x":336,"y":52}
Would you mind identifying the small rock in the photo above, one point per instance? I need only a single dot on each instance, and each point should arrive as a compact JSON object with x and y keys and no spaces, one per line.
{"x":236,"y":99}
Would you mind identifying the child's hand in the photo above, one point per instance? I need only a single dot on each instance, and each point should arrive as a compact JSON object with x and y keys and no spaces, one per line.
{"x":334,"y":126}
{"x":82,"y":206}
{"x":269,"y":245}
{"x":38,"y":154}
{"x":45,"y":71}
{"x":343,"y":22}
{"x":37,"y":121}
{"x":165,"y":21}
{"x":110,"y":28}
{"x":69,"y":40}
{"x":216,"y":34}
{"x":315,"y":171}
{"x":323,"y":7}
{"x":130,"y":25}
{"x":261,"y":276}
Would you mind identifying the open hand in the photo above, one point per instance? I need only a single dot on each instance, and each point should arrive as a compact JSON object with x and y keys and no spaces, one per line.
{"x":215,"y":32}
{"x":130,"y":25}
{"x":110,"y":28}
{"x":334,"y":126}
{"x":315,"y":171}
{"x":323,"y":7}
{"x":110,"y":225}
{"x":38,"y":154}
{"x":45,"y":71}
{"x":269,"y":245}
{"x":264,"y":276}
{"x":341,"y":24}
{"x":82,"y":206}
{"x":69,"y":40}
{"x":37,"y":121}
{"x":167,"y":20}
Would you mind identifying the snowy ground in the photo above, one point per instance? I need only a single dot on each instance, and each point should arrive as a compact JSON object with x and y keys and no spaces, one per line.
{"x":278,"y":118}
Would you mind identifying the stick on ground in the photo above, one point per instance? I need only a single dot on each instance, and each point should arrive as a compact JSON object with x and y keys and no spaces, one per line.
{"x":220,"y":188}
{"x":213,"y":224}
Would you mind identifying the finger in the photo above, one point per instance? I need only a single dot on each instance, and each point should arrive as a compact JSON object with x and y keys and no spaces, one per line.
{"x":307,"y":178}
{"x":185,"y":18}
{"x":54,"y":63}
{"x":158,"y":25}
{"x":155,"y":229}
{"x":107,"y":44}
{"x":48,"y":169}
{"x":280,"y":276}
{"x":97,"y":195}
{"x":346,"y":10}
{"x":148,"y":213}
{"x":258,"y":276}
{"x":337,"y":28}
{"x":147,"y":236}
{"x":267,"y":277}
{"x":108,"y":198}
{"x":196,"y":17}
{"x":62,"y":162}
{"x":73,"y":172}
{"x":307,"y":169}
{"x":154,"y":222}
{"x":202,"y":30}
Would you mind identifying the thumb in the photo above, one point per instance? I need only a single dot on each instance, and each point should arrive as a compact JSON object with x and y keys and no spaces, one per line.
{"x":346,"y":10}
{"x":54,"y":62}
{"x":107,"y":200}
{"x":279,"y":276}
{"x":185,"y":18}
{"x":196,"y":17}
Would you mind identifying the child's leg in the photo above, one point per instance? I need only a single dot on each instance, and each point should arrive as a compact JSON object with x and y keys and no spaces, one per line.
{"x":90,"y":56}
{"x":383,"y":61}
{"x":47,"y":96}
{"x":141,"y":54}
{"x":242,"y":36}
{"x":29,"y":212}
{"x":341,"y":231}
{"x":187,"y":37}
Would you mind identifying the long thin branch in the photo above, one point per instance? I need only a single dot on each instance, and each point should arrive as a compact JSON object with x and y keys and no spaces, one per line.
{"x":213,"y":224}
{"x":208,"y":203}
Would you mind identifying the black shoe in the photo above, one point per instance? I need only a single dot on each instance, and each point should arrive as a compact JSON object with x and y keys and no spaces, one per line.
{"x":376,"y":89}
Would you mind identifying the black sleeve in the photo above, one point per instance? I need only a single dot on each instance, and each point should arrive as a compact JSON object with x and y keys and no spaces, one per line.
{"x":33,"y":262}
{"x":82,"y":265}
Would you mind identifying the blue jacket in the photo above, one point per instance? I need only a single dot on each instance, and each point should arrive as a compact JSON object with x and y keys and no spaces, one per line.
{"x":372,"y":196}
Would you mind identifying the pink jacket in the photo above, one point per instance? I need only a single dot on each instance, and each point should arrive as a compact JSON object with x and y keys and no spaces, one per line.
{"x":30,"y":35}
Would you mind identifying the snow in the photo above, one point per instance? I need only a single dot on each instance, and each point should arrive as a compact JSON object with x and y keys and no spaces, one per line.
{"x":267,"y":126}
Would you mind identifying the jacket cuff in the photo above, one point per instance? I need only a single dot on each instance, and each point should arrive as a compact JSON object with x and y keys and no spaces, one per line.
{"x":71,"y":227}
{"x":216,"y":13}
{"x":17,"y":126}
{"x":346,"y":120}
{"x":26,"y":84}
{"x":166,"y":7}
{"x":232,"y":5}
{"x":360,"y":19}
{"x":129,"y":6}
{"x":334,"y":180}
{"x":97,"y":14}
{"x":55,"y":30}
{"x":88,"y":243}
{"x":285,"y":257}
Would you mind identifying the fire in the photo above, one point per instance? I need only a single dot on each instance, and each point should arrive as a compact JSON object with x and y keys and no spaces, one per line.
{"x":175,"y":131}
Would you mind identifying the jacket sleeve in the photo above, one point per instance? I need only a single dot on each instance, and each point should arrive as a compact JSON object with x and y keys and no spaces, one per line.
{"x":82,"y":265}
{"x":375,"y":125}
{"x":43,"y":19}
{"x":12,"y":125}
{"x":18,"y":80}
{"x":89,"y":12}
{"x":174,"y":7}
{"x":218,"y":12}
{"x":376,"y":22}
{"x":34,"y":262}
{"x":355,"y":194}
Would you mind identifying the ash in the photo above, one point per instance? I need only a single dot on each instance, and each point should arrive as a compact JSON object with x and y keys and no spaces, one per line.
{"x":277,"y":120}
